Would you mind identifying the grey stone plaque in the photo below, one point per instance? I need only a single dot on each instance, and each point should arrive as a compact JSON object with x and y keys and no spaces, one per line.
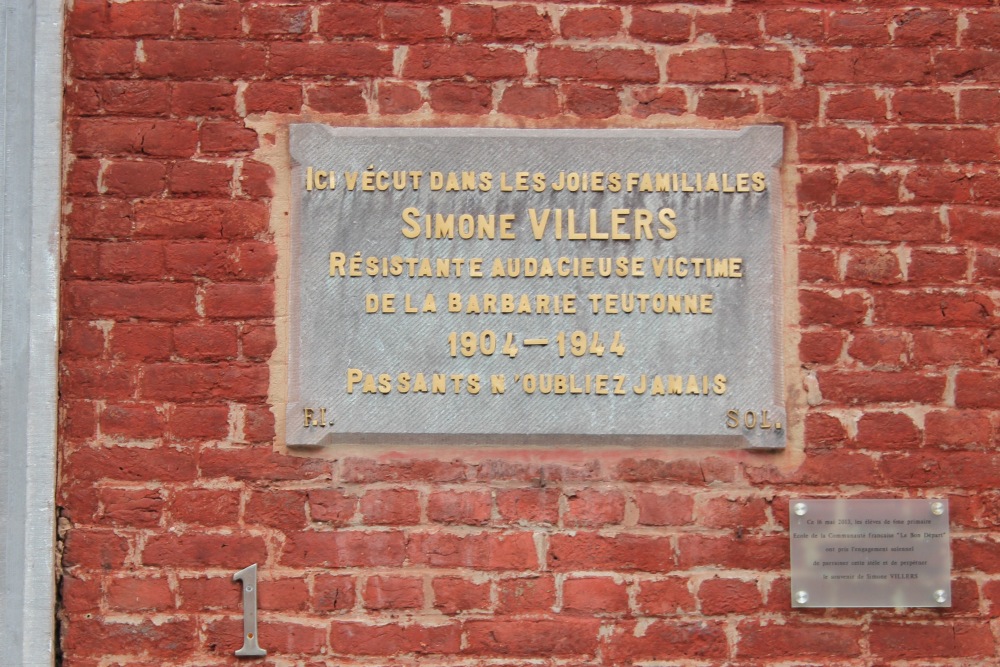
{"x":520,"y":286}
{"x":870,"y":553}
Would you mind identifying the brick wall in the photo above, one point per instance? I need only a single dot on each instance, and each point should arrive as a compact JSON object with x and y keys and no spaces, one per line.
{"x":170,"y":476}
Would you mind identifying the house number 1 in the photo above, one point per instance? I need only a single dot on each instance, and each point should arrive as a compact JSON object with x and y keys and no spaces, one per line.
{"x":248,"y":578}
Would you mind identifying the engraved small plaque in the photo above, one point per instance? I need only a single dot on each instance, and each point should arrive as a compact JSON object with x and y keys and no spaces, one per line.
{"x":870,"y":553}
{"x":535,"y":286}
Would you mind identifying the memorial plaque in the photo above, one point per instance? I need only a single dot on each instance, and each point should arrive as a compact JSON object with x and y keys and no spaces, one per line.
{"x":870,"y":553}
{"x":529,"y":286}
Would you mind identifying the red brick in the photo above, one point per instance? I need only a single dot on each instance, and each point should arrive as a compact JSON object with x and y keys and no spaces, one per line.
{"x":938,"y":184}
{"x":979,"y":106}
{"x":868,"y":187}
{"x":99,"y":637}
{"x":670,"y":509}
{"x":132,"y":464}
{"x":200,"y":422}
{"x":79,"y":595}
{"x":958,"y":428}
{"x":831,"y":144}
{"x":530,"y":101}
{"x":337,"y":98}
{"x":265,"y":96}
{"x":486,"y":550}
{"x":82,"y":177}
{"x":937,"y":144}
{"x":353,"y":638}
{"x":878,"y":348}
{"x":455,"y":97}
{"x":817,"y":185}
{"x":923,"y":106}
{"x":823,"y":430}
{"x":94,"y":549}
{"x":238,"y":300}
{"x":153,"y":138}
{"x":590,"y":507}
{"x":460,"y":507}
{"x":390,"y":507}
{"x":833,"y":309}
{"x":858,"y":28}
{"x":931,"y":266}
{"x":394,"y":593}
{"x":203,"y":549}
{"x":201,"y":178}
{"x":195,"y":382}
{"x":719,"y":103}
{"x":983,"y":29}
{"x":201,"y":218}
{"x":873,"y":267}
{"x":650,"y":101}
{"x":145,"y":342}
{"x":278,"y":20}
{"x":591,"y":101}
{"x":684,"y":471}
{"x":804,"y":25}
{"x":818,"y":265}
{"x":331,"y":506}
{"x":667,"y":638}
{"x":730,"y":65}
{"x":821,"y":468}
{"x":873,"y":66}
{"x":528,"y":505}
{"x":860,"y":224}
{"x":366,"y":471}
{"x":283,"y":595}
{"x":881,"y":387}
{"x":732,"y":27}
{"x":612,"y":65}
{"x":128,"y":594}
{"x":139,"y":20}
{"x":349,"y":19}
{"x":206,"y":342}
{"x":284,"y":509}
{"x":526,"y":595}
{"x":120,"y":97}
{"x":258,"y":341}
{"x":209,"y":20}
{"x":429,"y":61}
{"x":799,"y":104}
{"x":131,"y":507}
{"x":453,"y":595}
{"x":521,"y":23}
{"x":411,"y":24}
{"x":131,"y":420}
{"x":594,"y":595}
{"x":887,"y":430}
{"x":203,"y":98}
{"x":933,"y":307}
{"x":821,"y":347}
{"x":766,"y":553}
{"x":975,"y":225}
{"x":622,"y":553}
{"x":101,"y":57}
{"x":81,"y":339}
{"x":258,"y":424}
{"x":920,"y":27}
{"x":343,"y":549}
{"x":398,"y":98}
{"x":202,"y":59}
{"x":759,"y":639}
{"x":541,"y":637}
{"x":665,"y":597}
{"x":135,"y":178}
{"x":948,"y":347}
{"x":728,"y":596}
{"x":334,"y":593}
{"x":591,"y":22}
{"x":955,"y":639}
{"x":96,"y":381}
{"x":745,"y":512}
{"x":663,"y":27}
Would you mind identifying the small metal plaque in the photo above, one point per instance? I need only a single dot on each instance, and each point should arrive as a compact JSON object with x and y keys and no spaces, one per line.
{"x":870,"y":553}
{"x":496,"y":286}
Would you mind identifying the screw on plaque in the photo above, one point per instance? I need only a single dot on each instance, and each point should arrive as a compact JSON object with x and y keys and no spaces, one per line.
{"x":251,"y":648}
{"x":937,"y":508}
{"x":801,"y":597}
{"x":800,"y":509}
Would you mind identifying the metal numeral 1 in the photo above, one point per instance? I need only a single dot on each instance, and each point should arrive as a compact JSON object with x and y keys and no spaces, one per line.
{"x":250,"y":649}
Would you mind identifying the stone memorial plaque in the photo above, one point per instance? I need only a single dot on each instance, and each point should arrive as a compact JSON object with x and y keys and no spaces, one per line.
{"x":870,"y":553}
{"x":535,"y":286}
